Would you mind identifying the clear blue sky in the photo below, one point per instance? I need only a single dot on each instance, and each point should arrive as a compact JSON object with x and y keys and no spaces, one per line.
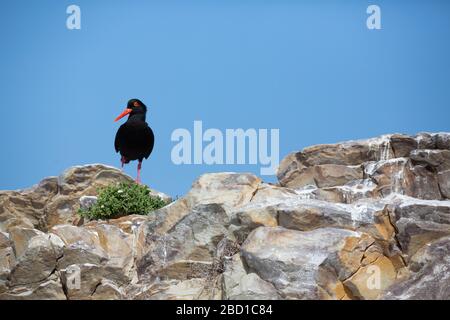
{"x":310,"y":68}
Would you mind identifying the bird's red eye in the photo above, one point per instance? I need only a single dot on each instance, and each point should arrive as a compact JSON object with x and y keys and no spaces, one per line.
{"x":136,"y":104}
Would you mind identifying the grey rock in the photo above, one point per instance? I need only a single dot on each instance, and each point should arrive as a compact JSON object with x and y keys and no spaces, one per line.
{"x":81,"y":281}
{"x":439,"y":159}
{"x":425,"y":140}
{"x":402,"y":145}
{"x":87,"y":202}
{"x":190,"y":244}
{"x":444,"y":183}
{"x":292,"y":260}
{"x":36,"y":257}
{"x":442,"y":140}
{"x":431,"y":279}
{"x":420,"y":222}
{"x":240,"y":285}
{"x":49,"y":289}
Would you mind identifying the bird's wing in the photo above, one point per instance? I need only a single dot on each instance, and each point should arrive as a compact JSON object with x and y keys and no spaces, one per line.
{"x":117,"y":139}
{"x":150,"y":140}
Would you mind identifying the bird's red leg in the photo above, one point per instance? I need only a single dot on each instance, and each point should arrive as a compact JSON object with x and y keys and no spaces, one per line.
{"x":138,"y":179}
{"x":122,"y":161}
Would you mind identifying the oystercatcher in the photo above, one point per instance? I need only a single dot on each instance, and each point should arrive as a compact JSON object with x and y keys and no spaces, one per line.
{"x":134,"y":139}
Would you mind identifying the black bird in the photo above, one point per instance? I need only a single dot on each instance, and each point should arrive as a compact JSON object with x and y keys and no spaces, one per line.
{"x":134,"y":139}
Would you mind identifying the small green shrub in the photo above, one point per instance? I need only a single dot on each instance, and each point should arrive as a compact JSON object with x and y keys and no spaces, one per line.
{"x":121,"y":200}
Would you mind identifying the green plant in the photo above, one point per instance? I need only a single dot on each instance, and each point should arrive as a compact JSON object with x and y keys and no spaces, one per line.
{"x":122,"y":199}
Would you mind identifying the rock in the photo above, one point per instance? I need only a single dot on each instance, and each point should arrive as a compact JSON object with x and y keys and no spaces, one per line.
{"x":56,"y":200}
{"x":239,"y":285}
{"x":192,"y":289}
{"x":336,"y":175}
{"x":308,"y":265}
{"x":439,"y":159}
{"x":253,"y":216}
{"x":103,"y":256}
{"x":7,"y":261}
{"x":364,"y":284}
{"x":420,"y":222}
{"x":385,"y":159}
{"x":331,"y":164}
{"x":259,"y":212}
{"x":431,"y":279}
{"x":85,"y":180}
{"x":87,"y":201}
{"x":422,"y":183}
{"x":444,"y":183}
{"x":425,"y":140}
{"x":334,"y":164}
{"x":50,"y":289}
{"x":108,"y":290}
{"x":128,"y":224}
{"x":229,"y":189}
{"x":361,"y":219}
{"x":164,"y":197}
{"x":348,"y":193}
{"x":166,"y":218}
{"x":402,"y":145}
{"x":91,"y":277}
{"x":309,"y":214}
{"x":61,"y":210}
{"x":289,"y":170}
{"x":4,"y":240}
{"x":327,"y":175}
{"x":268,"y":193}
{"x":191,"y":243}
{"x":388,"y":175}
{"x":401,"y":177}
{"x":27,"y":208}
{"x":117,"y":245}
{"x":80,"y":246}
{"x":102,"y":244}
{"x":442,"y":140}
{"x":313,"y":214}
{"x":36,"y":256}
{"x":350,"y":153}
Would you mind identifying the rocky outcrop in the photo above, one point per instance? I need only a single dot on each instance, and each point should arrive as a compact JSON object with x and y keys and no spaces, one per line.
{"x":367,"y":219}
{"x":55,"y":200}
{"x":345,"y":172}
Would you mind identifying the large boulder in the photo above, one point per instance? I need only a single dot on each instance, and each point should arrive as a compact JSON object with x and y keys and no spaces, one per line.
{"x":189,"y":245}
{"x":308,"y":214}
{"x":444,"y":183}
{"x":192,"y":289}
{"x":325,"y":263}
{"x":36,"y":256}
{"x":431,"y":277}
{"x":7,"y":260}
{"x":442,"y":140}
{"x":419,"y":222}
{"x":228,"y":189}
{"x":49,"y":289}
{"x":27,"y":208}
{"x":99,"y":252}
{"x":240,"y":285}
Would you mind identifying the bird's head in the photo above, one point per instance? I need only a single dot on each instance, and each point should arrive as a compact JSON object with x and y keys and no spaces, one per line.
{"x":134,"y":107}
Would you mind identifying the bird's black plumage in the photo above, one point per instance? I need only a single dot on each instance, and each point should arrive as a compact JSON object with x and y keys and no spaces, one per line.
{"x":135,"y":139}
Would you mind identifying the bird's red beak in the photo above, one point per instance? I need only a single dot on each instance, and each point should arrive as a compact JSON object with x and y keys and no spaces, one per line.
{"x":123,"y":114}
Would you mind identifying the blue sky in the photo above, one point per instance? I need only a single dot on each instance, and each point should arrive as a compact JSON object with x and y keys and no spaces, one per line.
{"x":310,"y":68}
